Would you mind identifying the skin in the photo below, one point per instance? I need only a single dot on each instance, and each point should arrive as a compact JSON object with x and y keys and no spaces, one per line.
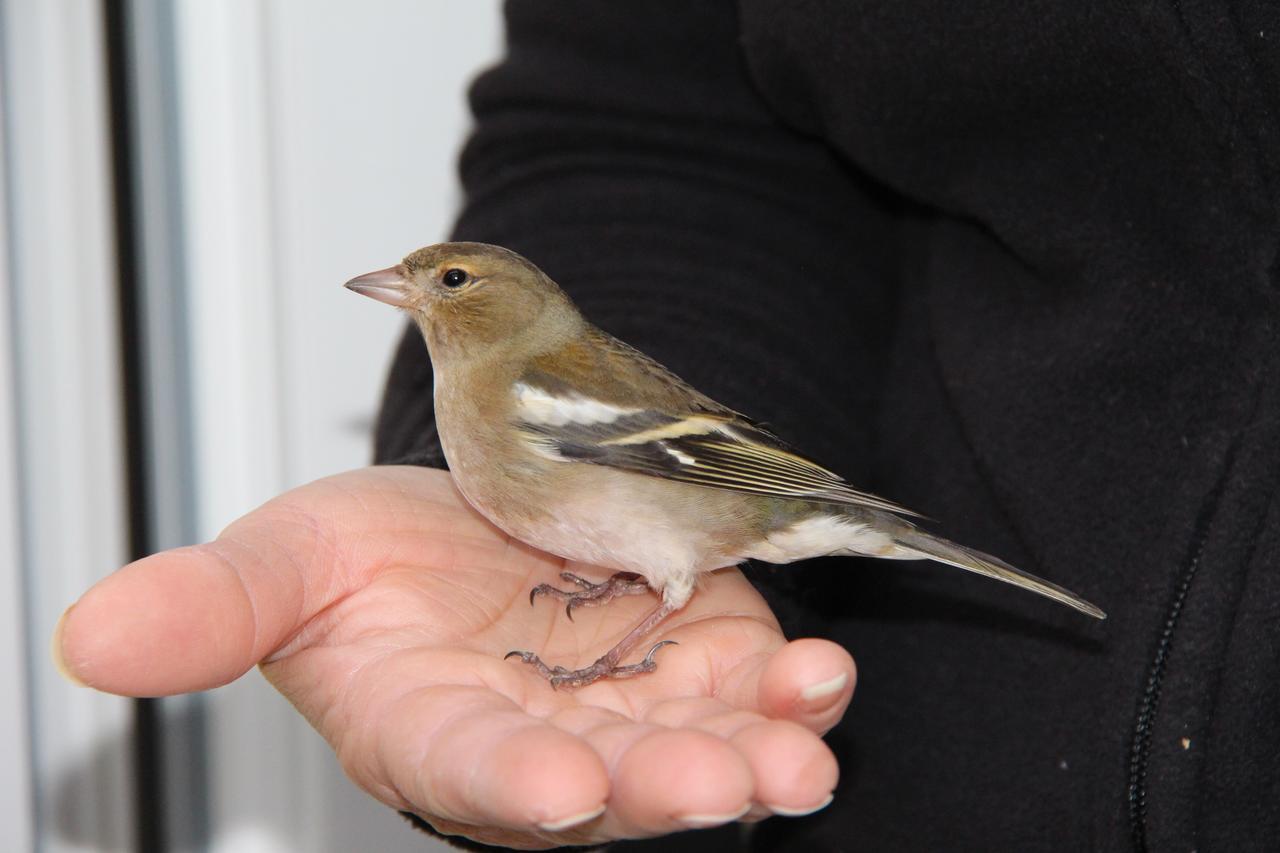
{"x":380,"y":604}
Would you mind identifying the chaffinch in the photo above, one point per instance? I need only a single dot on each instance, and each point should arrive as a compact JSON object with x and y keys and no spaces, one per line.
{"x":573,"y":442}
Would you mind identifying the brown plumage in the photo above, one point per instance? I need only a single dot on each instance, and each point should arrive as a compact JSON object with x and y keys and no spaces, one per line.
{"x":576,"y":443}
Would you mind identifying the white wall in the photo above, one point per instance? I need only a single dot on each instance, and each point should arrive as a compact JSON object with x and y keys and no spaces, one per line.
{"x":303,"y":142}
{"x":368,"y":116}
{"x":318,"y":141}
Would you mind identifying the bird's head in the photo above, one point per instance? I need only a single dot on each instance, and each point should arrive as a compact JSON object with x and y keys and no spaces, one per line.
{"x":469,"y":298}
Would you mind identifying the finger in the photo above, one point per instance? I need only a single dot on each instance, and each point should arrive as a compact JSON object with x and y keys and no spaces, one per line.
{"x":795,"y":772}
{"x":194,"y":618}
{"x":808,"y":681}
{"x":637,"y":809}
{"x":668,"y":780}
{"x":663,"y":780}
{"x":183,"y":620}
{"x":469,"y":755}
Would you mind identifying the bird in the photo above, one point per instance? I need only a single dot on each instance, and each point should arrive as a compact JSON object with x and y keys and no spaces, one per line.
{"x":580,"y":445}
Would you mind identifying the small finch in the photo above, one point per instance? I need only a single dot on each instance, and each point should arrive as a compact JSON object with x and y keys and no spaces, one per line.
{"x":575,"y":443}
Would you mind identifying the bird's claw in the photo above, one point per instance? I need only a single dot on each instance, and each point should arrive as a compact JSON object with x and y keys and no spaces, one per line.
{"x":559,"y":676}
{"x":648,"y":659}
{"x":591,"y":593}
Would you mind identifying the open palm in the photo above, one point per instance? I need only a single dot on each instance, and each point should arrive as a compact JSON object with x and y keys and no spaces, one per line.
{"x":381,"y":605}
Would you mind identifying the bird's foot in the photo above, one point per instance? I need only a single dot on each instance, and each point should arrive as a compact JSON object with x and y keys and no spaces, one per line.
{"x":591,"y":594}
{"x":605,"y":667}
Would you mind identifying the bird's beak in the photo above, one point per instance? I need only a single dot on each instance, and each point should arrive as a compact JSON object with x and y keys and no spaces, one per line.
{"x":390,"y":285}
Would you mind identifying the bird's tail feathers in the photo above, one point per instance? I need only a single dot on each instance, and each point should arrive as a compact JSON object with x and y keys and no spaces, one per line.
{"x":914,"y":542}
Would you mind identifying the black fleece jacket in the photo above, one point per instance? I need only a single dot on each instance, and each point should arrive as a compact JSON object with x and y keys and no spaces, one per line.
{"x":1010,"y":263}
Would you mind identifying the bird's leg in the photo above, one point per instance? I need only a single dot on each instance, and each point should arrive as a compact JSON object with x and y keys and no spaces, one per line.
{"x":591,"y":594}
{"x":607,"y":666}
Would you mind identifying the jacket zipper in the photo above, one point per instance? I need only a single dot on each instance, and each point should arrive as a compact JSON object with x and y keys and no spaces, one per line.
{"x":1140,"y":749}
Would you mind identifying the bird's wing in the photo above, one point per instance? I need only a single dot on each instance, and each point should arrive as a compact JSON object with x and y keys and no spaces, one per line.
{"x":644,"y":419}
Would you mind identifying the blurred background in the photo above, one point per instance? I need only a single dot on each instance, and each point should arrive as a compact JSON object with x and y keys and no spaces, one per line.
{"x":186,"y":185}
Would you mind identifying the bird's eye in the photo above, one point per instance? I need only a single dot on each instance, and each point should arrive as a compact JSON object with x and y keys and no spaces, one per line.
{"x":454,"y":278}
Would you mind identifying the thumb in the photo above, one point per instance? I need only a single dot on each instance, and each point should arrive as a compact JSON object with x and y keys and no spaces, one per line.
{"x":187,"y":619}
{"x":199,"y":617}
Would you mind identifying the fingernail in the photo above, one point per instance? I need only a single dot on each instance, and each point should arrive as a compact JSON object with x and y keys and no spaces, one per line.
{"x":702,"y":821}
{"x":59,"y":662}
{"x":571,"y":821}
{"x":787,"y":811}
{"x":823,"y":689}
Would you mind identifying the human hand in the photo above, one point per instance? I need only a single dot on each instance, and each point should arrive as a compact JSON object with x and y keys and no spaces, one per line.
{"x":381,"y":605}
